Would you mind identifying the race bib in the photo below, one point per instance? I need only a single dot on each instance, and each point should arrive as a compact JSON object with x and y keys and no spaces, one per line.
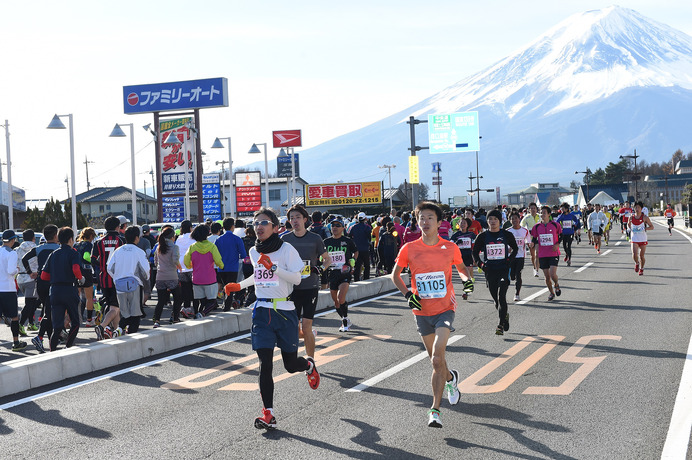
{"x":545,"y":239}
{"x":495,"y":251}
{"x":637,"y":228}
{"x":305,"y":272}
{"x":338,"y":258}
{"x":265,"y":278}
{"x":431,"y":285}
{"x":521,"y":243}
{"x":627,"y":214}
{"x":566,"y":224}
{"x":464,"y":243}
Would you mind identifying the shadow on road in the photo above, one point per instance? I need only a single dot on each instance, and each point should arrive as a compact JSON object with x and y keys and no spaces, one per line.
{"x":34,"y":412}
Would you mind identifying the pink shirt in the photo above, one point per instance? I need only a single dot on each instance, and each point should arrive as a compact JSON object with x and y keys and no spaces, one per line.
{"x":547,"y":236}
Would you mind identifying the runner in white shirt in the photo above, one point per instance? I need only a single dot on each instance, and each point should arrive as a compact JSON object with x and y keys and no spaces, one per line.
{"x":523,"y":239}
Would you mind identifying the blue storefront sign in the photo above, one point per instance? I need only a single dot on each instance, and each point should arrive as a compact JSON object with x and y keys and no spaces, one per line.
{"x":161,"y":97}
{"x":211,"y":196}
{"x":173,"y":208}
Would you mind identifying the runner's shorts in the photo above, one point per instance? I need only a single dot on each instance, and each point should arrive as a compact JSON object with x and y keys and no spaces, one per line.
{"x":671,"y":222}
{"x":305,"y":301}
{"x":544,"y":263}
{"x":427,"y":325}
{"x":206,"y":291}
{"x":29,"y":289}
{"x":9,"y":305}
{"x":272,"y":328}
{"x":336,"y":278}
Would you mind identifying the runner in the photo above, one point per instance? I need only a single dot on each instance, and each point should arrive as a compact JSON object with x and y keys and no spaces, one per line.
{"x":523,"y":238}
{"x":101,"y":252}
{"x":547,"y":234}
{"x":499,"y":248}
{"x":27,"y":284}
{"x":569,"y":223}
{"x":278,"y":268}
{"x":587,"y":213}
{"x":670,"y":214}
{"x":638,"y":225}
{"x":432,"y":300}
{"x":625,"y":213}
{"x":609,"y":220}
{"x":304,"y":296}
{"x":464,"y":239}
{"x":597,"y":224}
{"x":528,"y":222}
{"x":167,"y":258}
{"x":342,"y":250}
{"x":9,"y":305}
{"x":84,"y":247}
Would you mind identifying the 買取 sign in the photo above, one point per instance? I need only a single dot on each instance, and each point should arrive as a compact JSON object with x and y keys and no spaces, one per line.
{"x":357,"y":193}
{"x":177,"y":95}
{"x":453,"y":132}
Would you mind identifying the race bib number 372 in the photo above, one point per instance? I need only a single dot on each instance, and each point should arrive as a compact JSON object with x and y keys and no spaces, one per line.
{"x":431,"y":285}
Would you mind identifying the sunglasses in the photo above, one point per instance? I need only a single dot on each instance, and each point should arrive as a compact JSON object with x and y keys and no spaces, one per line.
{"x":263,"y":223}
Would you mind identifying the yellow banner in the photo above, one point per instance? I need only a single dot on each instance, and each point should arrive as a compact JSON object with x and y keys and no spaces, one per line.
{"x":355,"y":193}
{"x":413,"y":170}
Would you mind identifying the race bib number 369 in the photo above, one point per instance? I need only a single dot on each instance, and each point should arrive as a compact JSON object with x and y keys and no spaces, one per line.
{"x":431,"y":285}
{"x":265,"y":278}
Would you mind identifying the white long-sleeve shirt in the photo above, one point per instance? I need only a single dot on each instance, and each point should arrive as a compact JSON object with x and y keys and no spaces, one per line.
{"x":8,"y":269}
{"x":597,"y":219}
{"x":128,"y":260}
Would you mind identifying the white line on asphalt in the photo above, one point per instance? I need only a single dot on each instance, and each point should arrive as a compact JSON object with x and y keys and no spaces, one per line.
{"x":45,"y":394}
{"x":587,"y":265}
{"x":609,"y":250}
{"x":618,"y":243}
{"x":533,"y":296}
{"x":399,"y":367}
{"x":678,"y":438}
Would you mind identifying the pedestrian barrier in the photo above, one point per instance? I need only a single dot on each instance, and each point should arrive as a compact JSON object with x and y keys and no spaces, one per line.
{"x":36,"y":371}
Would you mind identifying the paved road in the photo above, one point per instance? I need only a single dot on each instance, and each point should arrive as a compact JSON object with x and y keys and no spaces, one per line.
{"x":594,"y":374}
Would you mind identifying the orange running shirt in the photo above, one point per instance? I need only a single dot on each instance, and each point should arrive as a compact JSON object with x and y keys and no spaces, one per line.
{"x":431,"y":274}
{"x":669,"y":213}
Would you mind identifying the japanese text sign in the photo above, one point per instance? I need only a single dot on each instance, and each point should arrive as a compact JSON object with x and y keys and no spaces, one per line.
{"x":453,"y":132}
{"x":357,"y":193}
{"x":191,"y":94}
{"x":173,"y":156}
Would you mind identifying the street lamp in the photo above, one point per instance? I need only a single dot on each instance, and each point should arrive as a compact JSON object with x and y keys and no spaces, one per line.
{"x":218,"y":145}
{"x":254,"y":149}
{"x":635,"y":177}
{"x":118,"y":132}
{"x":55,"y":123}
{"x":10,"y":207}
{"x":391,"y":195}
{"x":588,"y":175}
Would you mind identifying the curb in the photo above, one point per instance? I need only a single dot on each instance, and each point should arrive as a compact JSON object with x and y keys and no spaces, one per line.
{"x":36,"y":371}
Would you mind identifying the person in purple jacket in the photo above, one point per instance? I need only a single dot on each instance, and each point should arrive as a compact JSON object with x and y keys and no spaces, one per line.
{"x":201,"y":258}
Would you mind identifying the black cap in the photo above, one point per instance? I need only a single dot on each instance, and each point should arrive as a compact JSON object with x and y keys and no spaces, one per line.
{"x":8,"y":235}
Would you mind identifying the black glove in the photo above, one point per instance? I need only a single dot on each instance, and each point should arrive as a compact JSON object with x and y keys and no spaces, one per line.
{"x":413,"y":301}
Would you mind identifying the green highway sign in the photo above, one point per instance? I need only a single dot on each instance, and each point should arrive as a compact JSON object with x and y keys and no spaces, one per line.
{"x":453,"y":132}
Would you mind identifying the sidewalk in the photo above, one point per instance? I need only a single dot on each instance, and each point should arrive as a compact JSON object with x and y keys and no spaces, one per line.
{"x":29,"y":369}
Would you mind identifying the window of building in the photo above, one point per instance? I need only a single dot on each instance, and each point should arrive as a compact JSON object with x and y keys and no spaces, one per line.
{"x":101,"y":207}
{"x":274,"y":195}
{"x":108,"y":207}
{"x":129,"y":207}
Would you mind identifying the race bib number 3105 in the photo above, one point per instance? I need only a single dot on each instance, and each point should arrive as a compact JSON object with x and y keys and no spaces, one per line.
{"x":431,"y":285}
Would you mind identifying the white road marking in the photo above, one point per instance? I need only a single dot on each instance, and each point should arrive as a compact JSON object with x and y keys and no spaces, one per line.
{"x":533,"y":296}
{"x":618,"y":243}
{"x":678,"y":438}
{"x":399,"y":367}
{"x":609,"y":250}
{"x":587,"y":265}
{"x":45,"y":394}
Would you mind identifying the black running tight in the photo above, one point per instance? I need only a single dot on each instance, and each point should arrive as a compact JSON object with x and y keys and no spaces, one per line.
{"x":498,"y":282}
{"x":516,"y":267}
{"x":567,"y":245}
{"x":164,"y":297}
{"x":292,"y":363}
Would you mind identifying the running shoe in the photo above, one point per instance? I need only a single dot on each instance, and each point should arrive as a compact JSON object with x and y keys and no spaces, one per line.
{"x":63,"y":336}
{"x":187,"y":313}
{"x":90,"y":322}
{"x":636,"y":268}
{"x":516,"y":298}
{"x":173,"y":320}
{"x":199,"y":316}
{"x":505,"y":324}
{"x":32,"y":327}
{"x":499,"y":330}
{"x":19,"y":346}
{"x":558,"y":291}
{"x":452,"y":388}
{"x":480,"y":270}
{"x":566,"y":259}
{"x":344,"y":325}
{"x":599,"y":252}
{"x":569,"y":262}
{"x":434,"y":419}
{"x":551,"y":296}
{"x":38,"y":343}
{"x":641,"y":271}
{"x":22,"y":331}
{"x":99,"y":332}
{"x":118,"y":332}
{"x":108,"y":333}
{"x":348,"y":323}
{"x":156,"y":324}
{"x":535,"y":273}
{"x":465,"y":296}
{"x":267,"y":421}
{"x":313,"y":375}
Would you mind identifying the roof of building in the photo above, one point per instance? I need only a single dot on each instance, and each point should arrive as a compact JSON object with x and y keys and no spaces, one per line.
{"x":684,"y":164}
{"x":111,"y":195}
{"x":533,"y":189}
{"x":614,"y":190}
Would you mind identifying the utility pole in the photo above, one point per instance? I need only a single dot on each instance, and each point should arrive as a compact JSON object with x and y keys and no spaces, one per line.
{"x":144,"y":211}
{"x":67,"y":184}
{"x":87,"y":163}
{"x":391,"y":195}
{"x":414,"y":148}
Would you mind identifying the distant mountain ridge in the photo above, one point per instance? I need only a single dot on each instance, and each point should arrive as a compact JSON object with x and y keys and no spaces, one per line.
{"x":595,"y":86}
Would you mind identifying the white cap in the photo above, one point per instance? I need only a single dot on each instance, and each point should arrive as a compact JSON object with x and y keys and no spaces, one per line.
{"x":361,"y":215}
{"x":123,"y":220}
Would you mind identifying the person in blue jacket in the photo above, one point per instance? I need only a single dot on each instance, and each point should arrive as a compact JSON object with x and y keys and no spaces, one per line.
{"x":570,"y":224}
{"x":232,"y":250}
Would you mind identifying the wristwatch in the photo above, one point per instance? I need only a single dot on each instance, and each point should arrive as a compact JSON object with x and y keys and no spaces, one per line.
{"x":274,"y":267}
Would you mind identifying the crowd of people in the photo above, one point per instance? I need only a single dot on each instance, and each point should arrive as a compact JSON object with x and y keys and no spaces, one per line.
{"x":277,"y":268}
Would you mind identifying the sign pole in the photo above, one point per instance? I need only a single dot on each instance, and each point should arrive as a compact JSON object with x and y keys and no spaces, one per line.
{"x":293,"y":178}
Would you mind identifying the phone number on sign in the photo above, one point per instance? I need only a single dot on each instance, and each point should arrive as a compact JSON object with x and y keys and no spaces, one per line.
{"x":343,"y":201}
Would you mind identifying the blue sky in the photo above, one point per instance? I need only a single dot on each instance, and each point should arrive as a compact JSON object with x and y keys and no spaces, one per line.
{"x":322,"y":67}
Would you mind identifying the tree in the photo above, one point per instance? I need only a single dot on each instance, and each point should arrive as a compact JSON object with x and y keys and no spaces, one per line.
{"x":574,"y":185}
{"x":34,"y":220}
{"x":423,"y":192}
{"x":598,"y":177}
{"x":81,"y":220}
{"x":687,"y":194}
{"x":52,"y":214}
{"x":616,"y":171}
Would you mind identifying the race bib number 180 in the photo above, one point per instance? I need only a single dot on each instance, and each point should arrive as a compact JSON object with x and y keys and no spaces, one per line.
{"x":338,"y":258}
{"x":431,"y":285}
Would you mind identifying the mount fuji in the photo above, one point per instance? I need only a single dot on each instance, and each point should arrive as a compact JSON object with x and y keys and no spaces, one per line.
{"x":598,"y":85}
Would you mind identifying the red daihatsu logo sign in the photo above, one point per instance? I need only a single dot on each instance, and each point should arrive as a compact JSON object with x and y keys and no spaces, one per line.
{"x":288,"y":138}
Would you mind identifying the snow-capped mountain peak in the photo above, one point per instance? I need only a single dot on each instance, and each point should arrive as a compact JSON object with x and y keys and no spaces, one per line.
{"x":586,"y":57}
